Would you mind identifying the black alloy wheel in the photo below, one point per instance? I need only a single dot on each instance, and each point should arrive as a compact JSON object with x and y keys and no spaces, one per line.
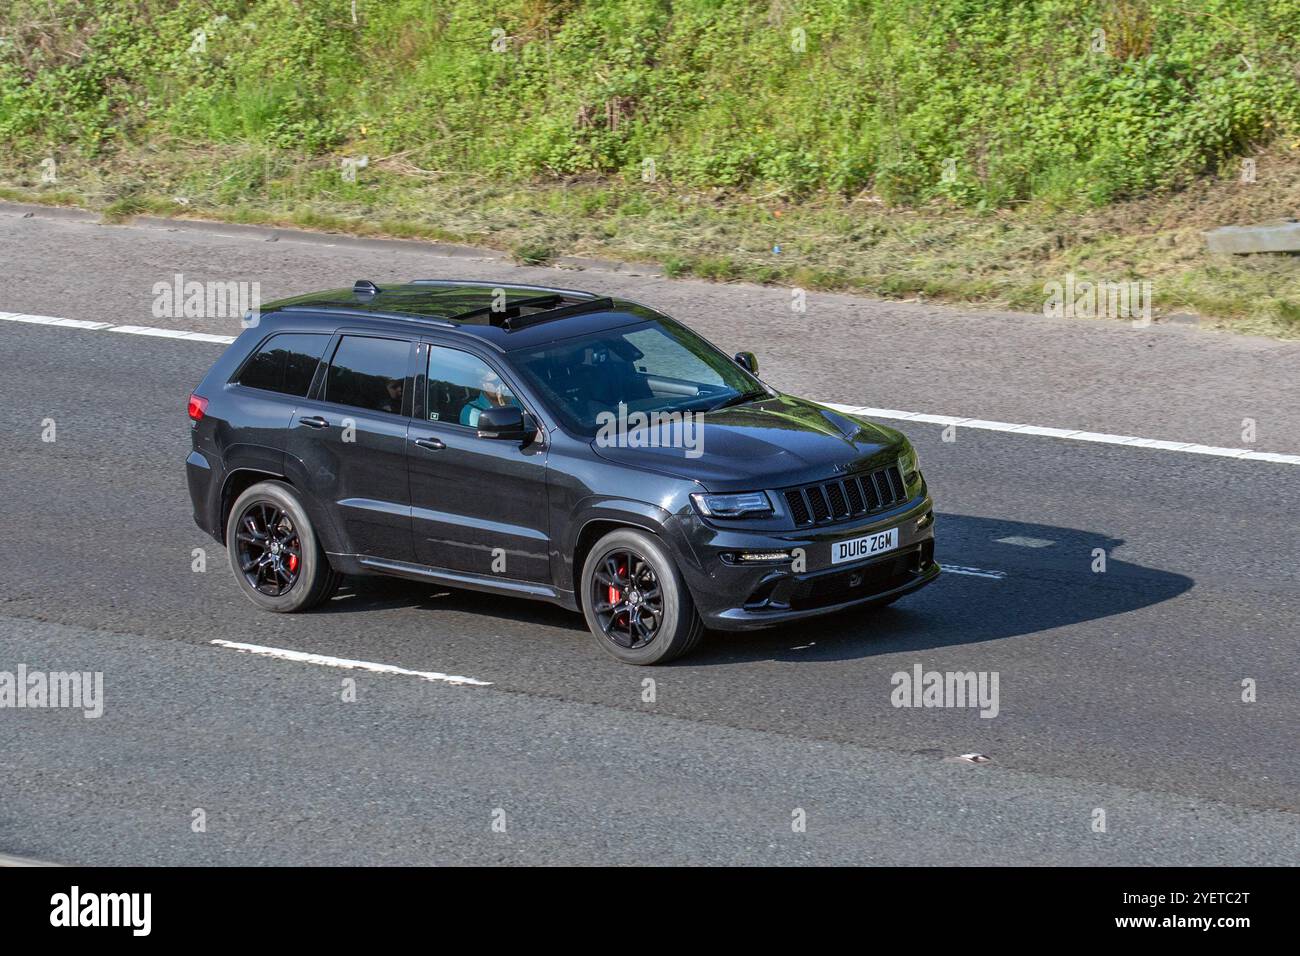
{"x":268,"y":548}
{"x":627,"y":599}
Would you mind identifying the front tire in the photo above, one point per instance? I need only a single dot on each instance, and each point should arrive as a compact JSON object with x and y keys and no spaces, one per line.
{"x":277,"y":559}
{"x":635,"y":602}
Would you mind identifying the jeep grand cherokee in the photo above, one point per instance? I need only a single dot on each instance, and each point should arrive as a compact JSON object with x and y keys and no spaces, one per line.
{"x":549,"y":444}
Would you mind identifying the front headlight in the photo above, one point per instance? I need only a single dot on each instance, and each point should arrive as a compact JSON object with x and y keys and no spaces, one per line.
{"x":909,"y":463}
{"x":733,"y":506}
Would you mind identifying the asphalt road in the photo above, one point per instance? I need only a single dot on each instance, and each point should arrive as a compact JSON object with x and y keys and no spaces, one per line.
{"x":1119,"y":690}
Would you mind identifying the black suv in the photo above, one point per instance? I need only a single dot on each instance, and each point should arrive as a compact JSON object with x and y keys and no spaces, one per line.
{"x":551,"y":444}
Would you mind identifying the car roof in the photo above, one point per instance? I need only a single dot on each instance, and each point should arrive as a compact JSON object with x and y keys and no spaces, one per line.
{"x":524,"y":316}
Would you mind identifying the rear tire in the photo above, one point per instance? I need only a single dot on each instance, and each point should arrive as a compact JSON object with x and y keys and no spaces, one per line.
{"x":277,"y":559}
{"x":631,"y":588}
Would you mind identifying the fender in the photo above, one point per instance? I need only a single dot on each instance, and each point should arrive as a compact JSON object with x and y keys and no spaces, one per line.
{"x":234,"y":459}
{"x":231,"y":471}
{"x":605,"y":508}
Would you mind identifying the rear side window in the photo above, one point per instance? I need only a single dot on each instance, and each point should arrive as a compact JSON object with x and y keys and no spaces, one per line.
{"x":285,"y":363}
{"x":369,"y":373}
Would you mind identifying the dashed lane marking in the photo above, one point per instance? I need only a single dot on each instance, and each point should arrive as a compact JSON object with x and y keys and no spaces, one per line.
{"x":1021,"y":541}
{"x":974,"y":572}
{"x":22,"y":861}
{"x":326,"y":661}
{"x":1101,"y":438}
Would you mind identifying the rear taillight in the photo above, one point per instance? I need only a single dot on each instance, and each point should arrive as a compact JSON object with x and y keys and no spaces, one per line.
{"x":198,"y":405}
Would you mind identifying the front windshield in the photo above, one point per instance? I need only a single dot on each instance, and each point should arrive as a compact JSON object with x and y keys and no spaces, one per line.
{"x":657,"y":366}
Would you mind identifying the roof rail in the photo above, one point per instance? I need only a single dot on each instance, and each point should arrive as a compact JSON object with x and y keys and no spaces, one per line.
{"x":496,"y":316}
{"x":514,"y":286}
{"x":338,"y":308}
{"x":514,"y":323}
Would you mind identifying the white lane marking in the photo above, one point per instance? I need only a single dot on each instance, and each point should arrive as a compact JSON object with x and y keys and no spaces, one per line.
{"x":1023,"y":542}
{"x":1189,"y":448}
{"x":8,"y":860}
{"x":52,"y":320}
{"x":325,"y":661}
{"x":171,"y":333}
{"x":974,"y":572}
{"x":110,"y":327}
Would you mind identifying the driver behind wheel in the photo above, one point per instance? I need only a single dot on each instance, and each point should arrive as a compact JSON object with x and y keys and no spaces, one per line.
{"x":492,"y":394}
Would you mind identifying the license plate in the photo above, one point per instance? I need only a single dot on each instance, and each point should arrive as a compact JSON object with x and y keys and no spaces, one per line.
{"x":867,"y":546}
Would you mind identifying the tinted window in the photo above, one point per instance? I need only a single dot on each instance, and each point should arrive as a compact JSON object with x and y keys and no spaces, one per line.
{"x":368,"y":373}
{"x":285,"y":363}
{"x":657,"y":366}
{"x":461,"y":386}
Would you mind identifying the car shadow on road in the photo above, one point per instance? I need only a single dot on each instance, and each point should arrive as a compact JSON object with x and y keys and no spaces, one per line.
{"x":1040,"y":577}
{"x":387,"y":593}
{"x":1051,"y":577}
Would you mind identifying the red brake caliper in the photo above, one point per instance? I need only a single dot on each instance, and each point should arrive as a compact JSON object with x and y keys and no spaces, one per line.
{"x":293,"y":563}
{"x":615,"y":593}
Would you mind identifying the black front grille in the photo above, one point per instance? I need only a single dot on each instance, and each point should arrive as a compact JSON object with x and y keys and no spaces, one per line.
{"x":844,"y":498}
{"x":798,"y":507}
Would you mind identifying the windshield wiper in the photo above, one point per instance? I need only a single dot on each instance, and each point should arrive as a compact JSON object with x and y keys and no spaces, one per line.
{"x":740,"y":399}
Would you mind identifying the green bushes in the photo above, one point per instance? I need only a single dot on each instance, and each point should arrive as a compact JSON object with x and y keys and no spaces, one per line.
{"x":979,"y":102}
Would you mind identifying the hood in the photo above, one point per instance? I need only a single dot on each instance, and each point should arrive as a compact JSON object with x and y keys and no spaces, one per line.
{"x":765,"y":444}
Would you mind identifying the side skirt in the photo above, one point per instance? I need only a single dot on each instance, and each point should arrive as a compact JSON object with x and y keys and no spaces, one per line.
{"x":363,"y":564}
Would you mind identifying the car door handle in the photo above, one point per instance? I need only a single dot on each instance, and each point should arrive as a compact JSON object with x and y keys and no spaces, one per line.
{"x":314,"y":421}
{"x":433,"y":444}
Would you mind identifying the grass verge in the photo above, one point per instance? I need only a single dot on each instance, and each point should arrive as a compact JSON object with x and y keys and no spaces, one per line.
{"x":938,"y":252}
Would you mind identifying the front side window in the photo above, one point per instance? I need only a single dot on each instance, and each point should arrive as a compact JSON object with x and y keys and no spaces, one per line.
{"x":654,"y":366}
{"x":462,"y":387}
{"x":285,"y":363}
{"x":368,"y":373}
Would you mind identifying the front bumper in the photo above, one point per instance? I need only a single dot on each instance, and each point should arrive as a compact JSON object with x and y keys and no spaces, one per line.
{"x":732,"y":596}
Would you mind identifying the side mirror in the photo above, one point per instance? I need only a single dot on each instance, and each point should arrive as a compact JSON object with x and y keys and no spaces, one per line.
{"x":748,"y":361}
{"x":505,"y":422}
